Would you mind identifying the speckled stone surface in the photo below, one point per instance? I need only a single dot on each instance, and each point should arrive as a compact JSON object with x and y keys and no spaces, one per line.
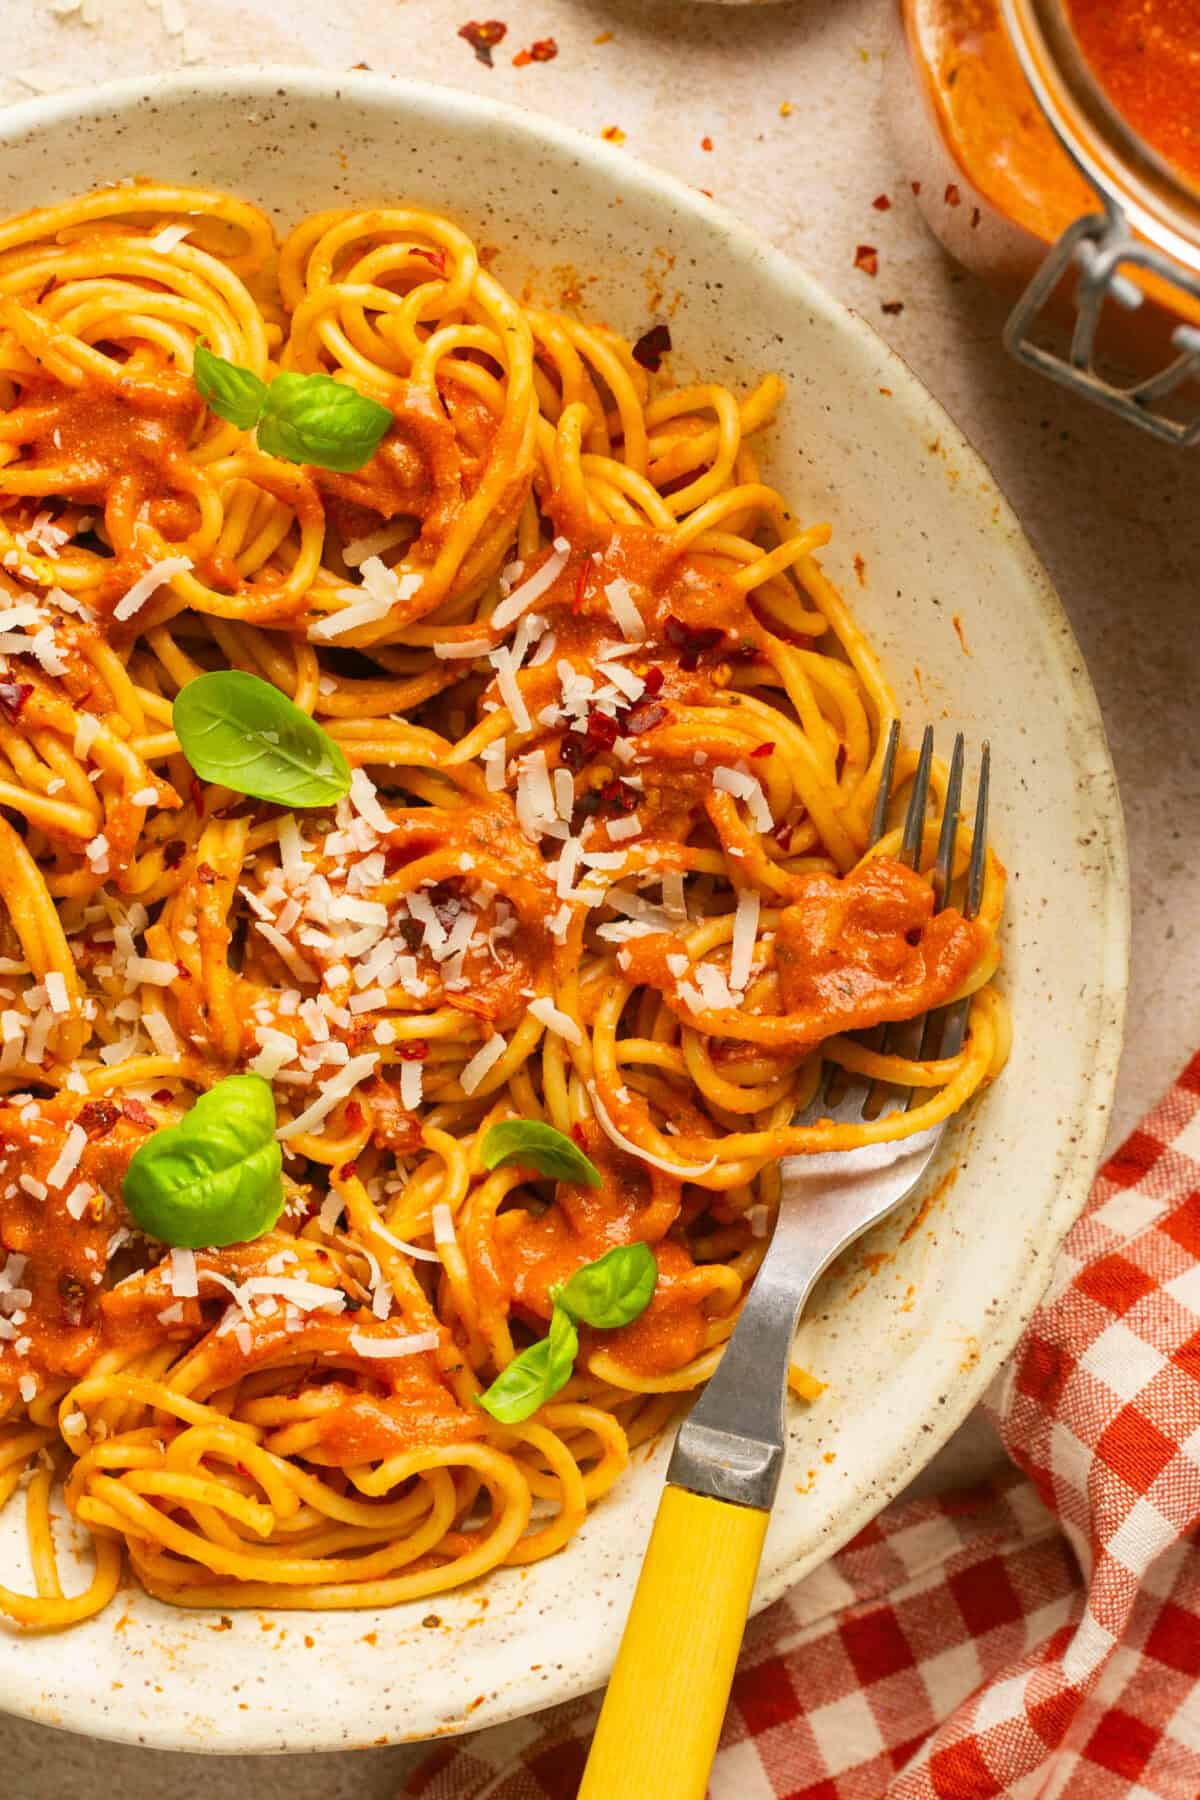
{"x":1107,"y":510}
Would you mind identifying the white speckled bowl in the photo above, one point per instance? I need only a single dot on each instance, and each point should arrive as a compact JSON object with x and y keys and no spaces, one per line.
{"x":972,"y":635}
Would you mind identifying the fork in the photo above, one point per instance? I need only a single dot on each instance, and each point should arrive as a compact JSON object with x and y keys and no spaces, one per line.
{"x":658,"y":1728}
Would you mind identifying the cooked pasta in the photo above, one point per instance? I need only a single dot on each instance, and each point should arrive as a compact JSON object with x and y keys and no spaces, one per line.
{"x":614,"y":742}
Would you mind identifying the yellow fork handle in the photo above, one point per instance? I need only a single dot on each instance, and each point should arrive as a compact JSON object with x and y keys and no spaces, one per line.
{"x":662,"y":1713}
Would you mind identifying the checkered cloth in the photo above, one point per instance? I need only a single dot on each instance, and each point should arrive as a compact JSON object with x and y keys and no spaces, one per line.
{"x":1038,"y":1635}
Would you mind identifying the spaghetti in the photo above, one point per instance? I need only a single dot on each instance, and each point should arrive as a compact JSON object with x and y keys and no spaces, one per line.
{"x":615,"y":742}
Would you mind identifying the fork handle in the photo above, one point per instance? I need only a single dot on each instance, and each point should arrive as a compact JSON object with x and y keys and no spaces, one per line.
{"x":662,"y":1714}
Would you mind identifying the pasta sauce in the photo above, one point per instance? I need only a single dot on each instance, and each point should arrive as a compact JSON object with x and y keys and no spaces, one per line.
{"x":601,"y":864}
{"x":1146,"y":56}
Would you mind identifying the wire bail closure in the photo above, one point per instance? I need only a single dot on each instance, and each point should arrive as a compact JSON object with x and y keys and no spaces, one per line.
{"x":1099,"y":246}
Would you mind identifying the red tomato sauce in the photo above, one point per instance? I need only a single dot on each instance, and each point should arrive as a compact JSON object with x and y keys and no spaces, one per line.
{"x":1146,"y":56}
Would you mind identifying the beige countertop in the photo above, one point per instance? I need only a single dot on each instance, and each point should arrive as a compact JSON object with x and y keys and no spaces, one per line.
{"x":1112,"y":513}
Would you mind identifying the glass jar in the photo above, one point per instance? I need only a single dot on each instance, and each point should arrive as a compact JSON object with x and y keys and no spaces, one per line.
{"x":1044,"y":158}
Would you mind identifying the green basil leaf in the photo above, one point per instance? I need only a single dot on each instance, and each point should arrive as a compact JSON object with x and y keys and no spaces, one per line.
{"x":242,"y":732}
{"x":227,"y":389}
{"x":536,"y":1375}
{"x":614,"y":1290}
{"x":531,"y":1145}
{"x":314,"y":419}
{"x":214,"y":1178}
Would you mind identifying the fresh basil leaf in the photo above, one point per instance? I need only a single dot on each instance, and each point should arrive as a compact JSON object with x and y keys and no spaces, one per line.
{"x":614,"y":1290}
{"x":314,"y":419}
{"x":531,"y":1145}
{"x":536,"y":1375}
{"x":214,"y":1178}
{"x":227,"y":389}
{"x":242,"y":732}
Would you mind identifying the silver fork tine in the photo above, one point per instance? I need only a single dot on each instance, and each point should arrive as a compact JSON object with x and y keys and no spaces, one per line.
{"x":943,"y":867}
{"x":849,"y":1105}
{"x":914,"y":824}
{"x":879,"y":816}
{"x":978,"y":860}
{"x":954,"y":1026}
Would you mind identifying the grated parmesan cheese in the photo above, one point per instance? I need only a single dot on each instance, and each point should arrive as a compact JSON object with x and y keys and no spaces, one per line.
{"x":182,"y":1274}
{"x":745,"y":930}
{"x":56,"y":991}
{"x":168,"y":239}
{"x":554,"y":1019}
{"x":745,"y":787}
{"x":412,"y":1345}
{"x":67,"y":1160}
{"x":149,"y":583}
{"x":524,"y":596}
{"x":482,"y":1063}
{"x":624,"y":609}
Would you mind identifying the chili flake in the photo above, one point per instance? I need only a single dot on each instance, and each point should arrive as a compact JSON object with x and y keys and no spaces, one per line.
{"x":706,"y":143}
{"x":881,"y":203}
{"x":785,"y":109}
{"x":952,"y":196}
{"x":651,"y":347}
{"x":483,"y":35}
{"x":13,"y":695}
{"x":894,"y":307}
{"x":866,"y":258}
{"x":613,"y":134}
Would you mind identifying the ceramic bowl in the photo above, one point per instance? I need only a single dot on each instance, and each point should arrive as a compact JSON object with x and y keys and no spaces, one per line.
{"x":908,"y":1330}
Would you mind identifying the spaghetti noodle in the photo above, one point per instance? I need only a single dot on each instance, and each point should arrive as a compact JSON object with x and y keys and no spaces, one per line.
{"x":615,"y":742}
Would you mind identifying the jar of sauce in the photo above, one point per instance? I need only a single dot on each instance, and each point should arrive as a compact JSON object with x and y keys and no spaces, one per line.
{"x":1054,"y":148}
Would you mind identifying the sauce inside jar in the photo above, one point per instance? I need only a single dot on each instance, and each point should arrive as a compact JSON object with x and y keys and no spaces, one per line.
{"x":1145,"y":54}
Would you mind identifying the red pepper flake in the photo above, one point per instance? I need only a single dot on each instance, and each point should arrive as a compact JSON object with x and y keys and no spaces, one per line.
{"x":612,"y":134}
{"x":136,"y":1113}
{"x":691,"y":640}
{"x":952,"y":196}
{"x":895,"y":307}
{"x":174,"y":853}
{"x":602,"y":731}
{"x":642,"y":717}
{"x":13,"y":695}
{"x":881,"y":203}
{"x":621,"y":798}
{"x":976,"y":218}
{"x":98,"y":1117}
{"x":580,"y":1137}
{"x":915,"y":186}
{"x":785,"y":109}
{"x":573,"y":751}
{"x":653,"y":679}
{"x":652,"y":346}
{"x":436,"y":257}
{"x":416,"y":1050}
{"x":706,"y":143}
{"x":541,"y":50}
{"x":707,"y":192}
{"x":483,"y":35}
{"x":866,"y":258}
{"x":347,"y":1171}
{"x":763,"y":750}
{"x":580,"y":587}
{"x":354,"y":1115}
{"x":162,"y":1096}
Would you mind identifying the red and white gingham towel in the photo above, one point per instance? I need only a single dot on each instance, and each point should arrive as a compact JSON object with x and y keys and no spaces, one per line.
{"x":1038,"y":1635}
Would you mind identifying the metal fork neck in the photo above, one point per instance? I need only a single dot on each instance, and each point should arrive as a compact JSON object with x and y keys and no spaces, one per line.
{"x":730,"y":1446}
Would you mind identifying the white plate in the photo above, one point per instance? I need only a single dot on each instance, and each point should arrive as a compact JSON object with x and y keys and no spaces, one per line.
{"x":907,"y":1339}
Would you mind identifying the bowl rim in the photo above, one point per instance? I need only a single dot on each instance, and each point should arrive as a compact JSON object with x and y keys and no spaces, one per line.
{"x":1109,"y":880}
